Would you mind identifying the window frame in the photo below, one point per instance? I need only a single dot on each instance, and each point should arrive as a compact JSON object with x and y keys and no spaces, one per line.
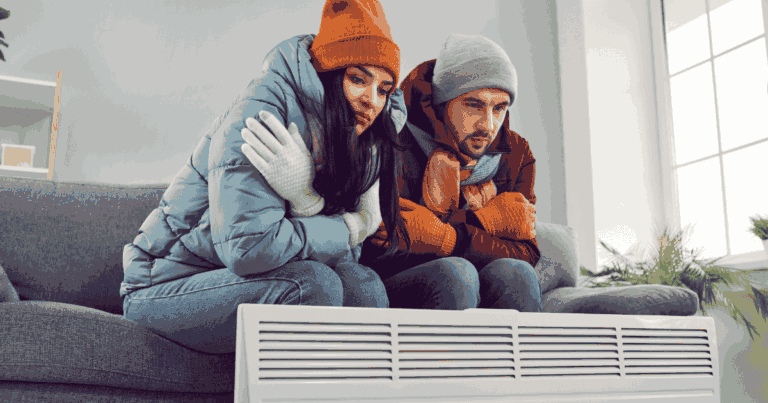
{"x":664,"y":126}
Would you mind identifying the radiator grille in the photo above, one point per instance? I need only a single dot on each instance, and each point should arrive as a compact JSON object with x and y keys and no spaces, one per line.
{"x":383,"y":352}
{"x":568,"y":351}
{"x":291,"y":351}
{"x":670,"y":352}
{"x":434,"y":352}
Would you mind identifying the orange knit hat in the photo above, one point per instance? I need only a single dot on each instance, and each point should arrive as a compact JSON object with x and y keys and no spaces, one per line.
{"x":354,"y":33}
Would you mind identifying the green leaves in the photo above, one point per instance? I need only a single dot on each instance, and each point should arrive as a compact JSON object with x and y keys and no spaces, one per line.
{"x":671,"y":263}
{"x":3,"y":15}
{"x":760,"y":226}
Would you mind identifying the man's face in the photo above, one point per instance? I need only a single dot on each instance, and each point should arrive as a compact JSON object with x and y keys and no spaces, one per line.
{"x":475,"y":119}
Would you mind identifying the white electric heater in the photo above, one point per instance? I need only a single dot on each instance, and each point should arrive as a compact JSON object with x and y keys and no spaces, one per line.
{"x":330,"y":354}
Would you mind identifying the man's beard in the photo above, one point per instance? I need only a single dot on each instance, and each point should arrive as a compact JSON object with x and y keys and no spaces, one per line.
{"x":480,"y":135}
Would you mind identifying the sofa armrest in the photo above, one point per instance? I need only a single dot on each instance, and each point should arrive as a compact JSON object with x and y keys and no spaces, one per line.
{"x":7,"y":292}
{"x":559,"y":262}
{"x":644,"y":299}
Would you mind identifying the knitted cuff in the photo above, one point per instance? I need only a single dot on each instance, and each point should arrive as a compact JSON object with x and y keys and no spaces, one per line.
{"x":356,"y":226}
{"x":490,"y":218}
{"x":308,"y":205}
{"x":449,"y":242}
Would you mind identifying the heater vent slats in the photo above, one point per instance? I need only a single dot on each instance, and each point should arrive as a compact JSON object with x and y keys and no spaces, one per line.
{"x":324,"y":355}
{"x":666,"y":363}
{"x":326,"y":327}
{"x":455,"y":347}
{"x":455,"y":339}
{"x":565,"y":347}
{"x":320,"y":345}
{"x":608,"y":362}
{"x":440,"y":352}
{"x":419,"y":364}
{"x":288,"y":364}
{"x":323,"y":373}
{"x":669,"y":370}
{"x":660,"y":339}
{"x":573,"y":355}
{"x":455,"y":372}
{"x":558,"y":331}
{"x":438,"y":329}
{"x":664,"y":332}
{"x":629,"y":347}
{"x":569,"y":340}
{"x":343,"y":352}
{"x":323,"y":337}
{"x":586,"y":370}
{"x":455,"y":355}
{"x":629,"y":355}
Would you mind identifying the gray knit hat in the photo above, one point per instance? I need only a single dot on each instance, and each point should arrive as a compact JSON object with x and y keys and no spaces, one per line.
{"x":470,"y":62}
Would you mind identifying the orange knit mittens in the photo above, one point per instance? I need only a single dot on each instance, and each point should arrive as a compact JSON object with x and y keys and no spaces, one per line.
{"x":428,"y":234}
{"x":509,"y":215}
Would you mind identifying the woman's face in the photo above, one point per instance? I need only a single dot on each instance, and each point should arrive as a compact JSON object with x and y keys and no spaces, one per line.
{"x":367,"y":89}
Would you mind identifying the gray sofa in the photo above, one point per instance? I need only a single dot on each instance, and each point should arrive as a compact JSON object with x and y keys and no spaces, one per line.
{"x":62,"y":334}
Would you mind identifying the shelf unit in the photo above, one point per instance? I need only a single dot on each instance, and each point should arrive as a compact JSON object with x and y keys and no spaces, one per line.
{"x":26,"y":105}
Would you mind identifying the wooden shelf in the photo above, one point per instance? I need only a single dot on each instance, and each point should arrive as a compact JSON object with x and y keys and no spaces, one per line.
{"x":24,"y":93}
{"x":29,"y":100}
{"x":24,"y":169}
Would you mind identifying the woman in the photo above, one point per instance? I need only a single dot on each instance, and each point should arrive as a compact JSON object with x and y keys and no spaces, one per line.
{"x":252,"y":223}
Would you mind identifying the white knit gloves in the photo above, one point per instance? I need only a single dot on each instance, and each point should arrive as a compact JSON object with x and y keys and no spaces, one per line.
{"x":286,"y":164}
{"x":284,"y":161}
{"x":365,"y":221}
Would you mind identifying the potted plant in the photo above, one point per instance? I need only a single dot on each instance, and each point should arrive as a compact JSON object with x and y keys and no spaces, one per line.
{"x":3,"y":15}
{"x":671,"y":263}
{"x":760,"y":229}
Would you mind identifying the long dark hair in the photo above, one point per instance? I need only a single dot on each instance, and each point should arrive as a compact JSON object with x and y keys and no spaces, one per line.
{"x":349,"y":167}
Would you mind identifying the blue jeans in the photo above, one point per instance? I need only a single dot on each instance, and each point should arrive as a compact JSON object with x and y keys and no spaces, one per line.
{"x":446,"y":283}
{"x":200,"y":311}
{"x":510,"y":284}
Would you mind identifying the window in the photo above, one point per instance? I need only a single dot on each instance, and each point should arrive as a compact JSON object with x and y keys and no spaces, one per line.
{"x":714,"y":76}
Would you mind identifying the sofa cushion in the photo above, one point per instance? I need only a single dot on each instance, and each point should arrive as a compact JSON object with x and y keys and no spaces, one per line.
{"x":63,"y":241}
{"x":559,"y":262}
{"x":25,"y":392}
{"x":7,"y":292}
{"x":62,"y":343}
{"x":645,"y":299}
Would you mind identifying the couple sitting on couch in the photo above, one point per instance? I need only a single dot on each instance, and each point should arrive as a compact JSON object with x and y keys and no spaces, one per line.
{"x":326,"y":184}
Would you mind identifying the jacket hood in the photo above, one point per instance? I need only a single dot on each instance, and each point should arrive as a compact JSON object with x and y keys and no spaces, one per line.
{"x":417,"y":94}
{"x":291,"y":60}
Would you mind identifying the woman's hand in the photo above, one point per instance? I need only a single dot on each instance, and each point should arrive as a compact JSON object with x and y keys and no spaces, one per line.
{"x":365,"y":222}
{"x":285,"y":162}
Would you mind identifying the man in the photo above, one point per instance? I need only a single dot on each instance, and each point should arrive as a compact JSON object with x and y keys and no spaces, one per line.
{"x":467,"y":182}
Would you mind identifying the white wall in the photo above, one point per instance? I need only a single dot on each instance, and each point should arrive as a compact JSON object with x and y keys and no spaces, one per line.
{"x":625,"y":164}
{"x":576,"y":132}
{"x":143,"y":80}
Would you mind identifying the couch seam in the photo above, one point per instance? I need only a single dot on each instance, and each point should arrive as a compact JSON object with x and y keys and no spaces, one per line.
{"x":123,"y":325}
{"x":31,"y":364}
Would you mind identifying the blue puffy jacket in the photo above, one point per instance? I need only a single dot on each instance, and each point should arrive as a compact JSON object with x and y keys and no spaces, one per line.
{"x":220,"y":212}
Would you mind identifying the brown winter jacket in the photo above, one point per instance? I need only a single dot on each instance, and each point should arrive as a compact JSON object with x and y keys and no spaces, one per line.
{"x":515,"y":174}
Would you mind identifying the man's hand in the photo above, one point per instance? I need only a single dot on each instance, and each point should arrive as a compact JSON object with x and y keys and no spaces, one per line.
{"x":428,"y":234}
{"x":509,"y":215}
{"x":284,"y":161}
